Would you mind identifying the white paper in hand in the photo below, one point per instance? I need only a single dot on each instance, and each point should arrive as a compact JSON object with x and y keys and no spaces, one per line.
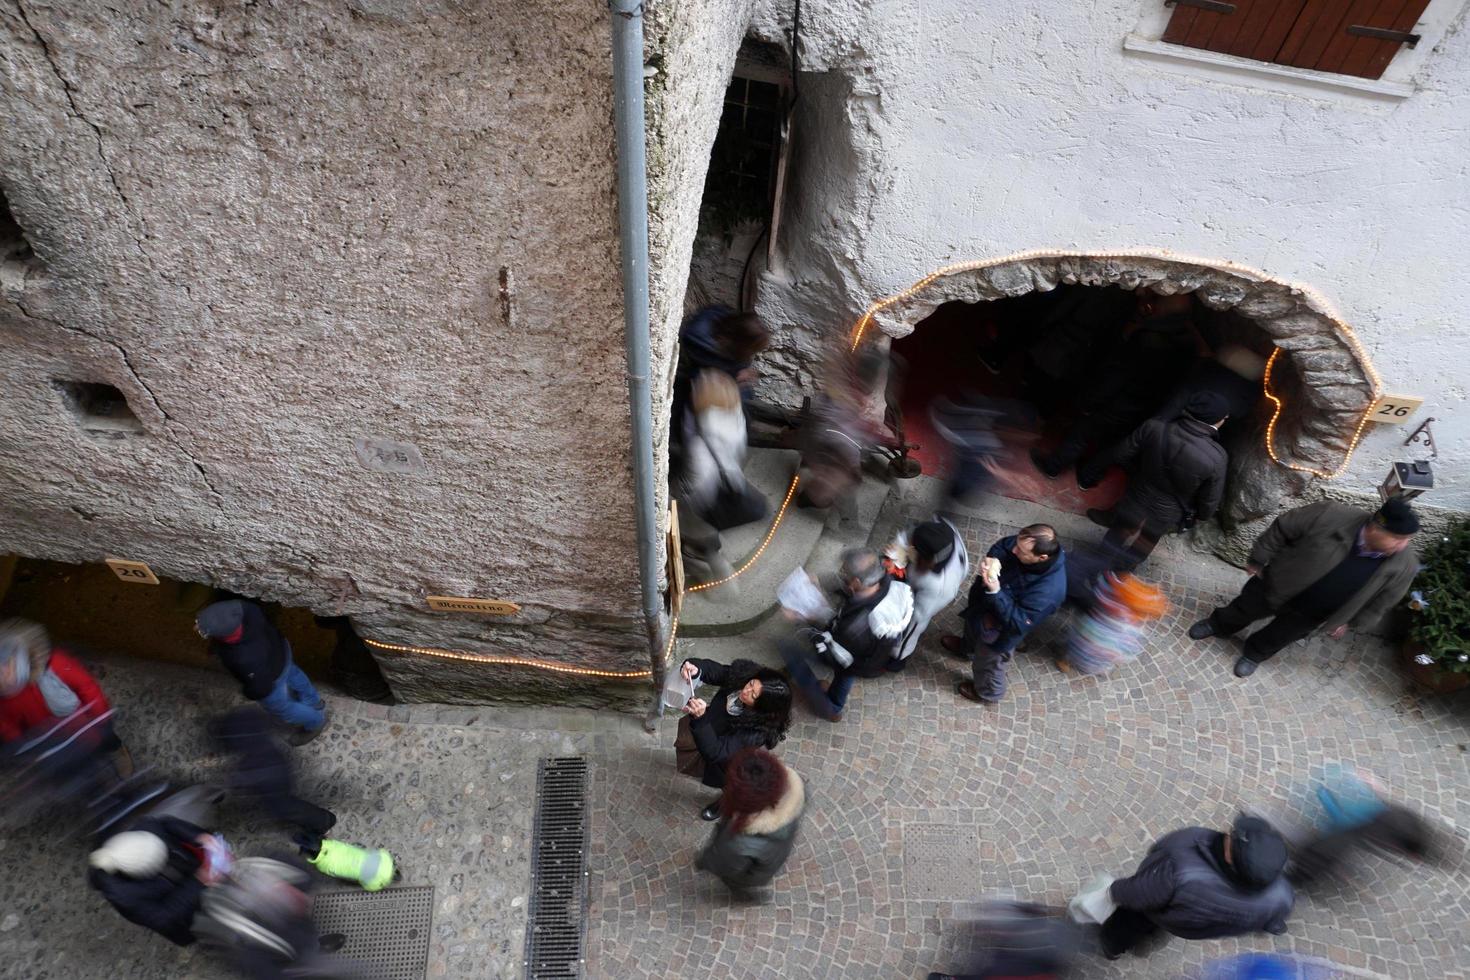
{"x":1094,"y":903}
{"x":803,"y":598}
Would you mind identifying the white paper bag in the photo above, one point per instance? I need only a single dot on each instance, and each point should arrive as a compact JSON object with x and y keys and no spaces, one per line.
{"x":803,"y":598}
{"x":1093,"y":904}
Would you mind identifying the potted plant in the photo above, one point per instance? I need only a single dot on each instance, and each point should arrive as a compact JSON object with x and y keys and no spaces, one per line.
{"x":1437,"y":647}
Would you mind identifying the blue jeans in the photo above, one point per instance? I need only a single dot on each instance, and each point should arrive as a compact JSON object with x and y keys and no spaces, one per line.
{"x":294,"y":700}
{"x":797,"y":655}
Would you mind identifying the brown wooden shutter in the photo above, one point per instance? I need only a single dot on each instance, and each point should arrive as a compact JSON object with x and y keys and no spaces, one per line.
{"x":1304,"y":33}
{"x":1320,"y":37}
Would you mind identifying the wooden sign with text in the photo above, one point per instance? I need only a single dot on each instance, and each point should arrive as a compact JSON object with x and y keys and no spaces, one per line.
{"x":1394,"y":408}
{"x":485,"y":607}
{"x":136,"y":572}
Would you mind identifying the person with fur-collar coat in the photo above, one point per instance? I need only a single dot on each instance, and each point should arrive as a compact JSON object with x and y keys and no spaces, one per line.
{"x":761,"y":812}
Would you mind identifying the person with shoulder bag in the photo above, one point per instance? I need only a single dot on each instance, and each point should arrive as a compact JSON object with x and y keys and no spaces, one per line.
{"x":751,"y":708}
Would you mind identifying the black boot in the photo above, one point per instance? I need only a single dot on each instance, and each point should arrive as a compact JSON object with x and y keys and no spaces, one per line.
{"x":711,"y":812}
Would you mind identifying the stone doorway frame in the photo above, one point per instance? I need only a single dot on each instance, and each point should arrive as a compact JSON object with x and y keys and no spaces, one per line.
{"x":1338,"y":382}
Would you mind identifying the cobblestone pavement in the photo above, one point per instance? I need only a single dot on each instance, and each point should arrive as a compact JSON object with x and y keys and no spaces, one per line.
{"x":919,"y":802}
{"x":919,"y":799}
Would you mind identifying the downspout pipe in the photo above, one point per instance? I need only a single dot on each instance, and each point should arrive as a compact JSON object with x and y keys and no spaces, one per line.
{"x":627,"y":52}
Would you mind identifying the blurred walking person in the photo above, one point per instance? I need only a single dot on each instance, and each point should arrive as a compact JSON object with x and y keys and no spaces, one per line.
{"x":44,"y":690}
{"x":155,"y":873}
{"x":261,"y":770}
{"x":1325,"y":565}
{"x":751,"y":708}
{"x":760,"y":814}
{"x":259,"y":657}
{"x":1198,"y":883}
{"x":716,"y":338}
{"x":710,"y":486}
{"x":1022,"y":582}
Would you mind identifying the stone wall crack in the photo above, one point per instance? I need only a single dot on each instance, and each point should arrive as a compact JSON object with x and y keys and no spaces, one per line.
{"x":69,"y":92}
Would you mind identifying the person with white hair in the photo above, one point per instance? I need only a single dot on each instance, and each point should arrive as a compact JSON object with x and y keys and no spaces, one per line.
{"x":155,"y":873}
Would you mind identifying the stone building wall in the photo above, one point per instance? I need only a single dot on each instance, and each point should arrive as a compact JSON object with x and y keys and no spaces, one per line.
{"x":282,"y":229}
{"x":944,"y":131}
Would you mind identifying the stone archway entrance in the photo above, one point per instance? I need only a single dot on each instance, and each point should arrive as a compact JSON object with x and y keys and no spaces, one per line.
{"x":1320,"y":384}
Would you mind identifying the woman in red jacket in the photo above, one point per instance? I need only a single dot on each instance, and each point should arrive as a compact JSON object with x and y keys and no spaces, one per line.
{"x":40,"y":686}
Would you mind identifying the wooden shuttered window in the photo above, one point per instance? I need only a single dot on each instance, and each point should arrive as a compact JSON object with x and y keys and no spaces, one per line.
{"x":1346,"y":37}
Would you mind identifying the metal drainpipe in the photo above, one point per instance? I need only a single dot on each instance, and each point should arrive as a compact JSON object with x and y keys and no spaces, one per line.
{"x":627,"y":51}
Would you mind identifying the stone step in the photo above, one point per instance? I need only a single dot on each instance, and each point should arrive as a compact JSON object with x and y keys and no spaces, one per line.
{"x":813,"y":538}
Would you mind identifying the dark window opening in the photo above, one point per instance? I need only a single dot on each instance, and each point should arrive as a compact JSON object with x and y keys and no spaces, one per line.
{"x":13,"y":244}
{"x":740,"y":186}
{"x":100,"y":408}
{"x":1358,"y":38}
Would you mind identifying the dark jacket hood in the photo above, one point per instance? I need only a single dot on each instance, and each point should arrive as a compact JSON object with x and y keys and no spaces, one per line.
{"x":221,"y":618}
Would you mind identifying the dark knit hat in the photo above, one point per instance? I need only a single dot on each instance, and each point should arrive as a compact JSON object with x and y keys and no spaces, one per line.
{"x":220,"y":619}
{"x":1397,"y":517}
{"x":1207,"y":406}
{"x":934,"y":540}
{"x":1257,"y":852}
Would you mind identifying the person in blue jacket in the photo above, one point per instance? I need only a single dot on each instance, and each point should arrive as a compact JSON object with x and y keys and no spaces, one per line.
{"x":1021,"y":582}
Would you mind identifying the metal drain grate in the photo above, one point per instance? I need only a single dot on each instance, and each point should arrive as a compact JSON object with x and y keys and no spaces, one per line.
{"x":387,"y":932}
{"x":558,"y":913}
{"x":939,"y":862}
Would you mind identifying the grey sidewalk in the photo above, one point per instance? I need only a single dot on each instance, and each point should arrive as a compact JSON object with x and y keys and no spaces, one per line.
{"x":920,"y":801}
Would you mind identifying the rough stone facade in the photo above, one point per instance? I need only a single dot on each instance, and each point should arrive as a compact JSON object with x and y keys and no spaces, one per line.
{"x":354,"y":267}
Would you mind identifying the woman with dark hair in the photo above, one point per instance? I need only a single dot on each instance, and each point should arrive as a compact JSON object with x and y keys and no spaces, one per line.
{"x":760,"y":813}
{"x":751,"y":708}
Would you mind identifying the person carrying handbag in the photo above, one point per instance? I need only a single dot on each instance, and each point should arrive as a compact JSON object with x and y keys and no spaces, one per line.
{"x":751,"y":707}
{"x":1177,"y":478}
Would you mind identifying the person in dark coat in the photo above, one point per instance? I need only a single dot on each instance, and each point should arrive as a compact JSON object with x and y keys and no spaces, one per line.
{"x":155,"y":874}
{"x":261,"y":770}
{"x":260,"y":658}
{"x":1323,"y":565}
{"x":760,"y":813}
{"x":1198,"y":883}
{"x":863,"y":639}
{"x":1022,"y":581}
{"x":752,"y":707}
{"x":1233,"y":373}
{"x":1176,"y":478}
{"x":716,"y":338}
{"x":1127,"y":387}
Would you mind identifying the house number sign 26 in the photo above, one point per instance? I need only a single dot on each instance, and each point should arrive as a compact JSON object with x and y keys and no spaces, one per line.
{"x":1394,"y":408}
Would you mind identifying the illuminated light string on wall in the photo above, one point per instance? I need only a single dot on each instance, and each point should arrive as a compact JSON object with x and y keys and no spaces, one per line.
{"x":1164,"y":255}
{"x":558,"y":668}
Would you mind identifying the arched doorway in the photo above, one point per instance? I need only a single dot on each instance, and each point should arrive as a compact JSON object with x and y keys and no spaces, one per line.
{"x":1317,"y":393}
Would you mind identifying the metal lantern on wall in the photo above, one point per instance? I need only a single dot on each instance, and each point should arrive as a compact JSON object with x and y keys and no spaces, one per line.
{"x":1407,"y":480}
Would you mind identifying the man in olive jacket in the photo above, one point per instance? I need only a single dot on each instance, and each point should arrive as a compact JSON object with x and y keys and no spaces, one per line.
{"x":1325,"y":564}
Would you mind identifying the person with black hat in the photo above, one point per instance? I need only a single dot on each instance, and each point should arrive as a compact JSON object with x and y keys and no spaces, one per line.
{"x":934,"y":562}
{"x":1323,"y":565}
{"x":1198,"y":883}
{"x":1176,"y":478}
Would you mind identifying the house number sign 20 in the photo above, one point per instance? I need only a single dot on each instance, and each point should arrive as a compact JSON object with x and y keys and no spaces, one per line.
{"x":1394,"y":408}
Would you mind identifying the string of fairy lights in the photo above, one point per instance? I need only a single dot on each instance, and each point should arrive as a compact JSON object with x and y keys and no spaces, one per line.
{"x":1278,"y":405}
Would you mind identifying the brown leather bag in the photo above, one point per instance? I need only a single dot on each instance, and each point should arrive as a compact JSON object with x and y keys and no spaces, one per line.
{"x":686,"y":752}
